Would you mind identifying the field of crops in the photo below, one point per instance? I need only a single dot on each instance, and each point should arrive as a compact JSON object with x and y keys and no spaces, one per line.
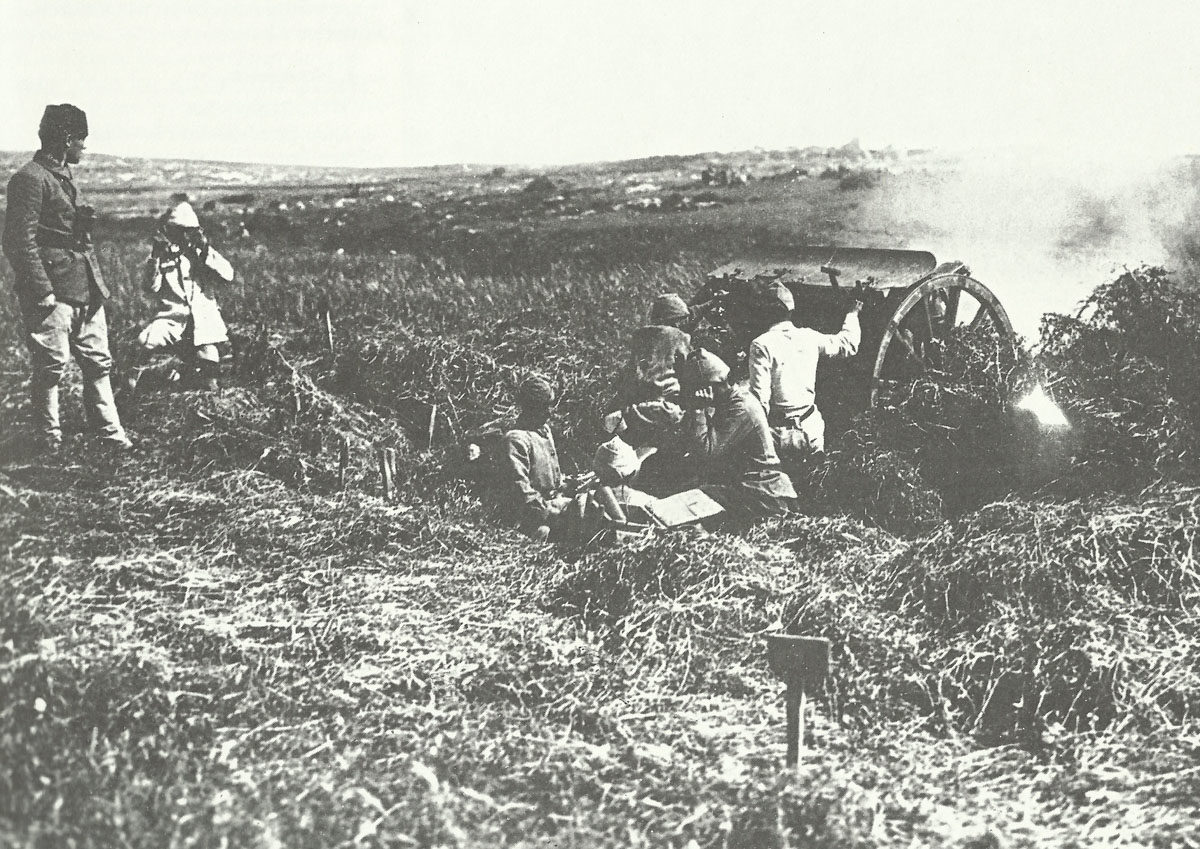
{"x":209,"y":643}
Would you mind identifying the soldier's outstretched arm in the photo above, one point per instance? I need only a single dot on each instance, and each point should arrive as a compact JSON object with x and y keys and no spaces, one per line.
{"x":845,"y":342}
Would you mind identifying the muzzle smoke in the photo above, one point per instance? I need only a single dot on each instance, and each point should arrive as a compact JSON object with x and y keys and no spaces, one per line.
{"x":1043,"y":230}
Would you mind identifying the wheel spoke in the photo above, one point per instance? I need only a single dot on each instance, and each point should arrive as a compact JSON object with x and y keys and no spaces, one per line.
{"x":928,"y":315}
{"x":980,"y":317}
{"x":903,"y":337}
{"x":951,"y":317}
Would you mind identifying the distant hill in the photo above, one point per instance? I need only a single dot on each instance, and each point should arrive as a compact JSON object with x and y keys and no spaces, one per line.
{"x":107,"y":172}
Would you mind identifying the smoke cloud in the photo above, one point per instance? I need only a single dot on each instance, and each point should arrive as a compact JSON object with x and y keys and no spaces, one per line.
{"x":1042,"y":230}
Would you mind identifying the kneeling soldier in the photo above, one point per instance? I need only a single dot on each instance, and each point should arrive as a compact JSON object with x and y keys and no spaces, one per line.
{"x":729,"y":443}
{"x":783,"y":374}
{"x":181,"y":265}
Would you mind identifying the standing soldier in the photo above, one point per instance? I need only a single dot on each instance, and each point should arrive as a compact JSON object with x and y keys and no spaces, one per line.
{"x":48,"y":241}
{"x":180,"y":265}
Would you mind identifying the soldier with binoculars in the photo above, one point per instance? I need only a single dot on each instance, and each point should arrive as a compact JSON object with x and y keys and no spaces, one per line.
{"x":178,"y":272}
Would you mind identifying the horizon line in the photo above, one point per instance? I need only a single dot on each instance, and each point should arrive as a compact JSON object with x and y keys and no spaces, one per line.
{"x":491,"y":164}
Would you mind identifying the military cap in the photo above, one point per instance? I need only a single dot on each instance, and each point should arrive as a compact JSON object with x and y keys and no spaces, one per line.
{"x":782,"y":294}
{"x":182,"y":215}
{"x":668,"y":308}
{"x":535,"y":391}
{"x":63,"y":119}
{"x":703,"y":367}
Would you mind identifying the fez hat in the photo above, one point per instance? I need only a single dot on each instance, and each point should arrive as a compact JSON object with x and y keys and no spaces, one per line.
{"x":63,"y":119}
{"x":667,"y":308}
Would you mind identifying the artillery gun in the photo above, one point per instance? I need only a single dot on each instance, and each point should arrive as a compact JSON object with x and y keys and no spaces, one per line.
{"x":913,"y":306}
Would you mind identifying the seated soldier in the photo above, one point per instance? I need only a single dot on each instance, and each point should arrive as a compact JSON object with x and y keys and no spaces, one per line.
{"x":647,"y":401}
{"x":648,"y":412}
{"x":613,"y":503}
{"x":530,"y":477}
{"x":656,"y":348}
{"x":729,"y":444}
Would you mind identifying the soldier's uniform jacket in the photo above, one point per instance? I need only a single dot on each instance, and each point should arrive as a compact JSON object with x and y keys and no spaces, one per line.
{"x":530,"y":472}
{"x":178,"y":280}
{"x":41,"y":239}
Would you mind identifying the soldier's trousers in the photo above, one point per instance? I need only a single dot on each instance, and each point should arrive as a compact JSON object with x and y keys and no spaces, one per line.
{"x":54,"y":336}
{"x":795,"y":442}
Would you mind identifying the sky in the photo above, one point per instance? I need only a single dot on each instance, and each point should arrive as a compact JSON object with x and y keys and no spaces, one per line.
{"x":410,"y":82}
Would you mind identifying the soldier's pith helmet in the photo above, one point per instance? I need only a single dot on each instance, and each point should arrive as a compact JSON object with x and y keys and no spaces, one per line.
{"x":182,"y":215}
{"x":782,"y":294}
{"x":616,"y":456}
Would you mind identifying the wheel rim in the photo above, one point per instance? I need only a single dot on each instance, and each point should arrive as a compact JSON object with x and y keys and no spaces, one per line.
{"x":922,"y":322}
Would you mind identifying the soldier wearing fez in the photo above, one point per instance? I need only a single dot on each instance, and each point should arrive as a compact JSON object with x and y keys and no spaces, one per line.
{"x":48,"y":241}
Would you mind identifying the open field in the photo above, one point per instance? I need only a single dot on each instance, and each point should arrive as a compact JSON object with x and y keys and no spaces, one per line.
{"x":209,"y":644}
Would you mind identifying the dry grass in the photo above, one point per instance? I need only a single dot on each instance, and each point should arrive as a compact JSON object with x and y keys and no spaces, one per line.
{"x":1123,"y":365}
{"x":211,"y":644}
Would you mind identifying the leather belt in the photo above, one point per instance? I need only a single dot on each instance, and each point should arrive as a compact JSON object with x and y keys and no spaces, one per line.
{"x":794,"y":420}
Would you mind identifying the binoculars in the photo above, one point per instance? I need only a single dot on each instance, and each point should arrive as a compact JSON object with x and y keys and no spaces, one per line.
{"x":85,"y":221}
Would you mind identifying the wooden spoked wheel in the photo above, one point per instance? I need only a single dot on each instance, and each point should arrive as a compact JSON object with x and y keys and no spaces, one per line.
{"x":932,"y":313}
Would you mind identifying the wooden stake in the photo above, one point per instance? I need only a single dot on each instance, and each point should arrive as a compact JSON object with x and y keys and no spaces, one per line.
{"x":390,"y":458}
{"x":797,"y":700}
{"x":385,"y":474}
{"x":802,"y":663}
{"x":343,"y":459}
{"x":327,"y":318}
